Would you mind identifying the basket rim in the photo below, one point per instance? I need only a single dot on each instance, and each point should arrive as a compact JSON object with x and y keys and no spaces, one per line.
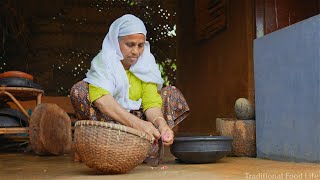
{"x":114,"y":126}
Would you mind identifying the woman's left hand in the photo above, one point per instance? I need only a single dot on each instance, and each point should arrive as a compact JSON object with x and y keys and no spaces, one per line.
{"x":167,"y":134}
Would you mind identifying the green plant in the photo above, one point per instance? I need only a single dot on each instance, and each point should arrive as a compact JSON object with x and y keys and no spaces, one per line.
{"x":165,"y":66}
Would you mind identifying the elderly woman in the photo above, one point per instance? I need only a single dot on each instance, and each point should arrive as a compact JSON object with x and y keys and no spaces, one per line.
{"x":124,"y":85}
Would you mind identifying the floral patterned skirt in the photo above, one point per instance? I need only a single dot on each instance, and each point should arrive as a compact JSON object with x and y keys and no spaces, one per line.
{"x":174,"y":108}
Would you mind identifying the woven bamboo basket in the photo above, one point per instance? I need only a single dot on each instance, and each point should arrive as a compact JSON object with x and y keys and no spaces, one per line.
{"x":110,"y":148}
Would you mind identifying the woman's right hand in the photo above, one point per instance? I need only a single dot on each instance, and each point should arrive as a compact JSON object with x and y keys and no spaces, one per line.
{"x":148,"y":128}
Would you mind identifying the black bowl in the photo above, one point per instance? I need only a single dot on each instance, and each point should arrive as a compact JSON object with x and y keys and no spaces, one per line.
{"x":201,"y":149}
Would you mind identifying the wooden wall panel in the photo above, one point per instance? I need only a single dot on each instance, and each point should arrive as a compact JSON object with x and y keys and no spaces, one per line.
{"x":211,"y":18}
{"x":272,"y":15}
{"x":213,"y":73}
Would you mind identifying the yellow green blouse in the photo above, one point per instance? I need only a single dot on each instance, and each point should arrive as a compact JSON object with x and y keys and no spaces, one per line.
{"x":138,"y":89}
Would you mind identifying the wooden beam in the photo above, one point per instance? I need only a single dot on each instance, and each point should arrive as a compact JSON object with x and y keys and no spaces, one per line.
{"x":62,"y":101}
{"x":47,"y":25}
{"x":87,"y":42}
{"x":92,"y":14}
{"x":250,"y":27}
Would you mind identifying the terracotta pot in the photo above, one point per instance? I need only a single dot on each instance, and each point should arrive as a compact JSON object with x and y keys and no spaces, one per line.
{"x":16,"y":74}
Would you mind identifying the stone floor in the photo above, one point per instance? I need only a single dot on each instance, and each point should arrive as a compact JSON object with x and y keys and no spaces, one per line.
{"x":28,"y":166}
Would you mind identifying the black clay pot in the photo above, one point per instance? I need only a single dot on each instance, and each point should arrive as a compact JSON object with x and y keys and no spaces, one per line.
{"x":12,"y":118}
{"x":201,"y":149}
{"x":18,"y":82}
{"x":7,"y":121}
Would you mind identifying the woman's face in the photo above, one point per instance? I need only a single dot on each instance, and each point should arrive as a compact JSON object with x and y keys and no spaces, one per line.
{"x":131,"y":47}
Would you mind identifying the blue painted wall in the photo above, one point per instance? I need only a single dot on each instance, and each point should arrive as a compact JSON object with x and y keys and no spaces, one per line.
{"x":287,"y":92}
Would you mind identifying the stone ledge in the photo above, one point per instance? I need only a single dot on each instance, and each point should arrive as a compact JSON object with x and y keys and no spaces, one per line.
{"x":243,"y":133}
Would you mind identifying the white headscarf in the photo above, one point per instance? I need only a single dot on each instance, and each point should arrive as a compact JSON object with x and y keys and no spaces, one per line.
{"x":107,"y":70}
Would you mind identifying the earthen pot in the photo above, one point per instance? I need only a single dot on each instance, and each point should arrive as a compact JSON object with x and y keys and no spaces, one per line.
{"x":16,"y":74}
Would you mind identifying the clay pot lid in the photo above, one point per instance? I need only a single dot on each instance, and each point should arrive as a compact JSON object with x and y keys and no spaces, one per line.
{"x":16,"y":74}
